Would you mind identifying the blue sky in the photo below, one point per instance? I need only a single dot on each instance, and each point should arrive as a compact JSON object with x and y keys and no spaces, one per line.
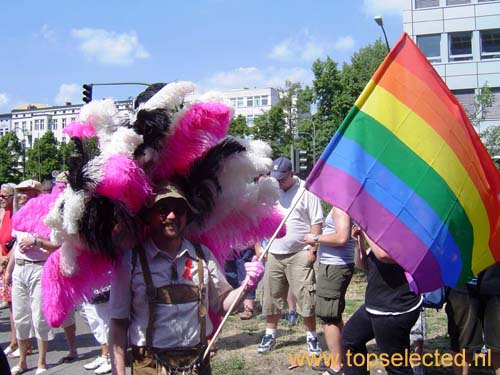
{"x":50,"y":48}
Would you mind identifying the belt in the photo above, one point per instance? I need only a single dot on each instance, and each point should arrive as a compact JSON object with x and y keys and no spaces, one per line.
{"x":23,"y":262}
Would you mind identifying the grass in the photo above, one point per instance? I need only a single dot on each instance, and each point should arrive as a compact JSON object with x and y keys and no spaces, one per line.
{"x":237,"y":346}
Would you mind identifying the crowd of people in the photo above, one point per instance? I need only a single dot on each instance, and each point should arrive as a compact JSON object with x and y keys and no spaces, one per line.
{"x":163,"y":317}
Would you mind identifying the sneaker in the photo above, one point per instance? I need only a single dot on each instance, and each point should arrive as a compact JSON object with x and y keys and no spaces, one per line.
{"x":313,"y":346}
{"x":292,"y":318}
{"x":15,"y":354}
{"x":246,"y":314}
{"x":268,"y":342}
{"x":104,"y":368}
{"x":96,"y":363}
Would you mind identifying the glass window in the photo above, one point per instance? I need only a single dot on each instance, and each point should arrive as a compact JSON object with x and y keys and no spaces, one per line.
{"x":257,"y":101}
{"x":250,"y":119}
{"x":457,"y":2}
{"x":485,"y":1}
{"x":264,"y":99}
{"x":54,"y":124}
{"x":466,"y":98}
{"x":63,"y":123}
{"x":250,"y":101}
{"x":430,"y":45}
{"x":426,"y":3}
{"x":239,"y":102}
{"x":37,"y":124}
{"x":460,"y":46}
{"x":42,"y":124}
{"x":233,"y":101}
{"x":490,"y":44}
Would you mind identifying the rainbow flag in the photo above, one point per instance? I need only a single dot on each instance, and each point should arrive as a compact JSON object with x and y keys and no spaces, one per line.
{"x":407,"y":165}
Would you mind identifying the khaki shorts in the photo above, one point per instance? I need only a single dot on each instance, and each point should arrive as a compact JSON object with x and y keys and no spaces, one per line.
{"x":332,"y":286}
{"x":284,"y":271}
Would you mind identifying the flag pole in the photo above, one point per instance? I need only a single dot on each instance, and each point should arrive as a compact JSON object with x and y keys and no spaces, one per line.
{"x":301,"y":192}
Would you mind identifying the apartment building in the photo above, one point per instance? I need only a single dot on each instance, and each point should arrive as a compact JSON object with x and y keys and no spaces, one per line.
{"x":461,"y":38}
{"x":251,"y":103}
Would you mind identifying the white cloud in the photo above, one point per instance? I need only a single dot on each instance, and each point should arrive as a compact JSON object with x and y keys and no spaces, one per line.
{"x":47,"y":33}
{"x":376,"y":7}
{"x":109,"y":47}
{"x":68,"y":92}
{"x":344,"y":43}
{"x":254,"y":77}
{"x":303,"y":47}
{"x":4,"y":99}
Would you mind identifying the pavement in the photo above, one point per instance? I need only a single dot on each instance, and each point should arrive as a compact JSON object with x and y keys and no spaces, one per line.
{"x":88,"y":349}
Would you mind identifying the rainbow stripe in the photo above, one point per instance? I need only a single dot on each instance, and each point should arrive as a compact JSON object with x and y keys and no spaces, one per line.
{"x":408,"y":166}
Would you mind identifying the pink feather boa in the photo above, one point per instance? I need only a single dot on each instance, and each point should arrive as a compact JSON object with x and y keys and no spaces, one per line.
{"x":124,"y":181}
{"x":79,"y":130}
{"x":30,"y":217}
{"x":61,"y":294}
{"x":218,"y":240}
{"x":199,"y":129}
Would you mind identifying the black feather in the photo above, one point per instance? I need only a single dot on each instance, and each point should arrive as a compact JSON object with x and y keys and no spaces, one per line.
{"x":201,"y":185}
{"x":76,"y":162}
{"x":153,"y":126}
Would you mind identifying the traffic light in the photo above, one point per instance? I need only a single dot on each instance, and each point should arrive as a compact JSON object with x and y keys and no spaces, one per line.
{"x":303,"y":160}
{"x":87,"y":93}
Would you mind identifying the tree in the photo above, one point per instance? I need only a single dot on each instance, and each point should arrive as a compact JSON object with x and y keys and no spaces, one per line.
{"x":270,"y":127}
{"x":481,"y":104}
{"x":335,"y":91}
{"x":43,"y":158}
{"x":239,"y":127}
{"x":11,"y":163}
{"x":491,"y":139}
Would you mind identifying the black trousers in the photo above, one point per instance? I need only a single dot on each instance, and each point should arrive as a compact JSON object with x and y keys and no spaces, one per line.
{"x":392,"y":333}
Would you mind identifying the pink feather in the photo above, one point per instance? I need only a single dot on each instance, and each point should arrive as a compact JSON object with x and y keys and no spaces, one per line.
{"x":199,"y":129}
{"x":30,"y":217}
{"x":78,"y":130}
{"x":61,"y":294}
{"x":220,"y":238}
{"x":124,"y":181}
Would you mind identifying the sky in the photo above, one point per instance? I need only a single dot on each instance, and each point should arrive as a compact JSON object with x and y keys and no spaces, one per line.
{"x":50,"y":48}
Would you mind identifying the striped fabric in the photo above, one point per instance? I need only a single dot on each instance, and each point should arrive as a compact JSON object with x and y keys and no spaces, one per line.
{"x":408,"y":166}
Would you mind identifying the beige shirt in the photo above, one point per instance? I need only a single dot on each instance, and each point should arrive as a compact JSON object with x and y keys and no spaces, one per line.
{"x":31,"y":253}
{"x":175,"y":325}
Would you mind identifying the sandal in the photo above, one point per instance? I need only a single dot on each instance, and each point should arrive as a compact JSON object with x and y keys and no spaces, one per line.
{"x":16,"y":370}
{"x":67,"y":359}
{"x":8,"y":350}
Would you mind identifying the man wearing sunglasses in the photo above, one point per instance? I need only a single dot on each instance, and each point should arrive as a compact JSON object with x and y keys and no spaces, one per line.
{"x":160,"y":295}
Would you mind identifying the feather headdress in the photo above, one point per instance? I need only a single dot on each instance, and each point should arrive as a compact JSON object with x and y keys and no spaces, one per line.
{"x":163,"y":138}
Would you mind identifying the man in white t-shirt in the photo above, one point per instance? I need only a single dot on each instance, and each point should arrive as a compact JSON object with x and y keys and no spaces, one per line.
{"x":290,"y":260}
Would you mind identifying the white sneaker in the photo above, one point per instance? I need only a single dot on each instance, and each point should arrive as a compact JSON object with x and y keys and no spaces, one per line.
{"x":104,"y":368}
{"x":96,"y":363}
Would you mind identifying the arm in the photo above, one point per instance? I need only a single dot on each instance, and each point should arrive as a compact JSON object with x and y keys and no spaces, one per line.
{"x":41,"y":243}
{"x":7,"y":278}
{"x":339,"y":237}
{"x":118,"y":329}
{"x":360,"y":248}
{"x":379,"y":253}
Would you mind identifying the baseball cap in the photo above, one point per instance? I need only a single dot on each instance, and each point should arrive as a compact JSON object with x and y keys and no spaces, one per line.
{"x":29,"y":184}
{"x":281,"y":168}
{"x":168,"y":190}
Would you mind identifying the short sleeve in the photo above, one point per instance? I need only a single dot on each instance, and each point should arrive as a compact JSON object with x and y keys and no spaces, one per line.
{"x":120,"y":297}
{"x":218,"y":287}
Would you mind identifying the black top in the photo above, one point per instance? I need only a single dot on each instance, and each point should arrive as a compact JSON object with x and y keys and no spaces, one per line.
{"x":387,"y":289}
{"x":489,"y":280}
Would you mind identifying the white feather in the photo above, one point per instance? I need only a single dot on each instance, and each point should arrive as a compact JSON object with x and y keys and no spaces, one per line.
{"x":122,"y":141}
{"x":74,"y":206}
{"x":169,"y":97}
{"x":67,"y":263}
{"x":101,"y":114}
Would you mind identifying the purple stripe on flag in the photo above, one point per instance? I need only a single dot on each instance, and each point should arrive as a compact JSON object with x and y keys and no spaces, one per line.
{"x":380,"y":224}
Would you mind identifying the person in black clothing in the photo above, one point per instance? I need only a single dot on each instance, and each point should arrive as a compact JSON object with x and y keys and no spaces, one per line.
{"x":389,"y":312}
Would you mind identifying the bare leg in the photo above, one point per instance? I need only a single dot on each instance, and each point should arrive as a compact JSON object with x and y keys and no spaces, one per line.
{"x":23,"y":352}
{"x":334,"y":342}
{"x":272,"y":321}
{"x":310,"y":323}
{"x":43,"y":346}
{"x":70,"y":333}
{"x":13,"y":338}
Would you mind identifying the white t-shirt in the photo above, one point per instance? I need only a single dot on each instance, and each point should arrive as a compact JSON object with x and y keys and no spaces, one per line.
{"x":32,"y":253}
{"x":306,"y":213}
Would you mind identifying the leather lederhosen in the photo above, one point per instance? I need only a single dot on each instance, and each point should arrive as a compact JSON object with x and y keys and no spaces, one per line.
{"x":189,"y":361}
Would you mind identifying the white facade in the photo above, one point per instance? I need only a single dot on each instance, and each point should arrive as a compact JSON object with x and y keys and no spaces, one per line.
{"x":251,"y":103}
{"x":32,"y":122}
{"x":4,"y":123}
{"x":462,"y":40}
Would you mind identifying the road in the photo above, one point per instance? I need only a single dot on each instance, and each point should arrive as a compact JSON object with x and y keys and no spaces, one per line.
{"x":88,"y":349}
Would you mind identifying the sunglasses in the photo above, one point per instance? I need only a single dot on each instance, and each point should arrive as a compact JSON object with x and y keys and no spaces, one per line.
{"x":3,"y":196}
{"x":177,"y":206}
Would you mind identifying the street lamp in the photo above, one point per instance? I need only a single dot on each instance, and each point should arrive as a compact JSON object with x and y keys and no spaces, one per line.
{"x":380,"y":22}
